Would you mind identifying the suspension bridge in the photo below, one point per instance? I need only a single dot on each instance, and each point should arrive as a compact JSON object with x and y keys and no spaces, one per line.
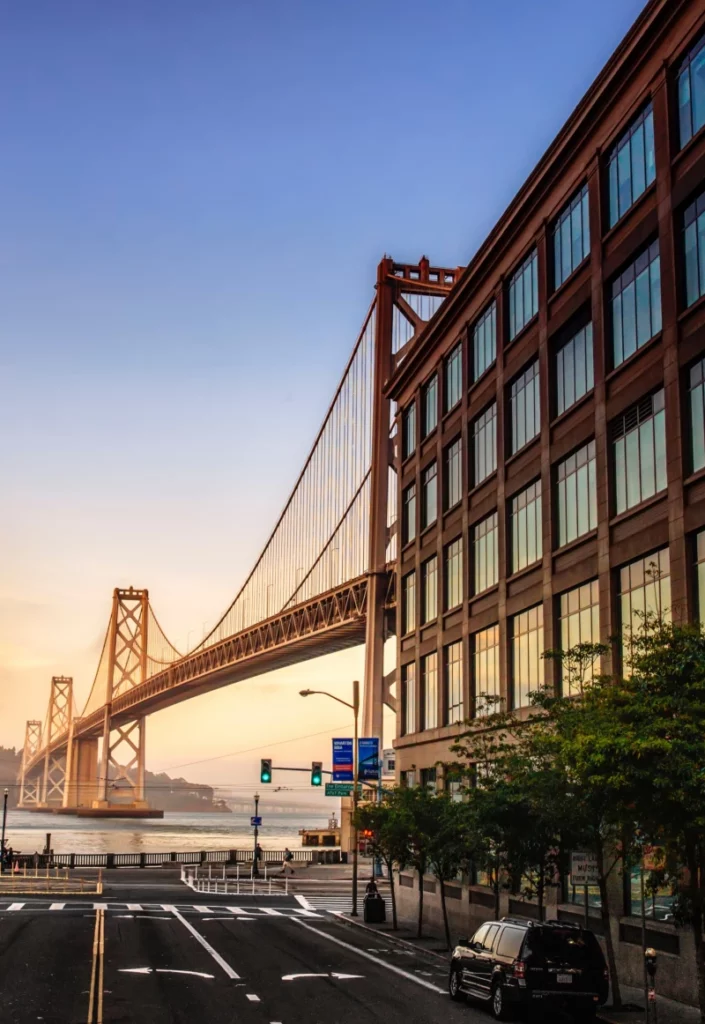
{"x":324,"y":581}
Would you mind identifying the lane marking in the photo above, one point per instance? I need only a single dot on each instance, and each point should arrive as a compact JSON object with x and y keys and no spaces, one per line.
{"x":333,"y":974}
{"x":101,"y":968}
{"x":15,"y":906}
{"x":271,"y":912}
{"x":162,"y":970}
{"x":253,"y":999}
{"x":304,"y":902}
{"x":95,"y":1000}
{"x":368,"y":956}
{"x":201,"y":910}
{"x":94,"y":970}
{"x":57,"y":906}
{"x":134,"y":906}
{"x":206,"y":945}
{"x":238,"y":911}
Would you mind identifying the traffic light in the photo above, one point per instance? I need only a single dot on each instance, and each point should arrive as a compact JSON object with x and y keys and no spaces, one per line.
{"x":316,"y":773}
{"x":265,"y":771}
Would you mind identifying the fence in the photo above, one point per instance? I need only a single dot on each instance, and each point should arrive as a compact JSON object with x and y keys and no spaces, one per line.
{"x":54,"y":881}
{"x":170,"y":859}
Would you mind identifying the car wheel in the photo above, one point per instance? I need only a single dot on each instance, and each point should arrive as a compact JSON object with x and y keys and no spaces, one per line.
{"x":454,"y":986}
{"x":499,"y":1002}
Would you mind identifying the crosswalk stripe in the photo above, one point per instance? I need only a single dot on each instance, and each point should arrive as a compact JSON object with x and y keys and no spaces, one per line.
{"x":15,"y":906}
{"x":57,"y":906}
{"x":134,"y":906}
{"x":202,"y":910}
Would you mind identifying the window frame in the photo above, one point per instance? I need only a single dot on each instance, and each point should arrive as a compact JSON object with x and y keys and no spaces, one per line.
{"x":580,"y":200}
{"x":447,"y":607}
{"x":475,"y":542}
{"x":685,"y":64}
{"x":428,"y":573}
{"x":426,"y":477}
{"x":536,"y":500}
{"x":530,"y":261}
{"x":561,"y":370}
{"x":639,"y":120}
{"x":490,"y":424}
{"x":405,"y":589}
{"x":534,"y":382}
{"x":637,"y":411}
{"x":455,"y":353}
{"x":425,"y":662}
{"x":698,"y":207}
{"x":448,"y":708}
{"x":628,"y":278}
{"x":408,"y":414}
{"x":426,"y":388}
{"x":562,"y":506}
{"x":488,"y":316}
{"x":406,"y":536}
{"x":457,"y":471}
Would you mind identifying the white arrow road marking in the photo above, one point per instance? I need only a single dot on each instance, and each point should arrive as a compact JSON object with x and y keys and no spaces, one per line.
{"x":162,"y":970}
{"x":339,"y":977}
{"x":206,"y":945}
{"x":368,"y":956}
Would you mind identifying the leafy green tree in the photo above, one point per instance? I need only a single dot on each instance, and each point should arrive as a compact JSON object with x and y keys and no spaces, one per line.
{"x":389,"y":841}
{"x":414,"y":805}
{"x":449,"y":847}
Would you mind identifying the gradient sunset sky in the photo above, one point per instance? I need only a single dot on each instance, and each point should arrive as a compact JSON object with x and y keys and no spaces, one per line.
{"x":193,"y":201}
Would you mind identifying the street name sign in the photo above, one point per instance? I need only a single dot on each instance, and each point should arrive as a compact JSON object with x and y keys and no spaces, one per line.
{"x":583,"y":869}
{"x":255,"y":821}
{"x":339,"y":788}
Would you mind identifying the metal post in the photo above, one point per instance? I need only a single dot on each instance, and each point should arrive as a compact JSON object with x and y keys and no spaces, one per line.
{"x":647,"y":1016}
{"x":586,"y":907}
{"x":2,"y":838}
{"x":255,"y":868}
{"x":356,"y":712}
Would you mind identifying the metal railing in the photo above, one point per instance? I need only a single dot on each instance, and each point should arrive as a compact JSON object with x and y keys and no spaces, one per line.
{"x":54,"y":881}
{"x":314,"y":855}
{"x":239,"y":884}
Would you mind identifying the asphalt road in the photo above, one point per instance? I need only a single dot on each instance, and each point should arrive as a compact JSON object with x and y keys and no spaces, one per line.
{"x":144,"y":955}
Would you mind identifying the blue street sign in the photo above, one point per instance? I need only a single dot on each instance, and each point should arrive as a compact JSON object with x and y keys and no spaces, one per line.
{"x":343,"y":760}
{"x":255,"y":821}
{"x":368,"y":758}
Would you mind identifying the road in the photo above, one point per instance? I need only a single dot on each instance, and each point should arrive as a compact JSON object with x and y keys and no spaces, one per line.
{"x":158,"y":955}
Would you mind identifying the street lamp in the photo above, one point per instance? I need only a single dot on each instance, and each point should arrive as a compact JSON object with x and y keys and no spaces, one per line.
{"x":355,"y":706}
{"x":2,"y":838}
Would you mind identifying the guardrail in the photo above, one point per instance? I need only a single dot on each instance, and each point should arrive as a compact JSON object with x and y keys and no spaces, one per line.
{"x":54,"y":881}
{"x":170,"y":859}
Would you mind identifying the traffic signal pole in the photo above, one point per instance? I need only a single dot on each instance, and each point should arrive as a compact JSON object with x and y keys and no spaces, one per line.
{"x":356,"y":767}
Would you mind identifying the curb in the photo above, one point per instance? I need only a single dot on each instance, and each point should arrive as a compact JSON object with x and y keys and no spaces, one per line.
{"x":392,"y":938}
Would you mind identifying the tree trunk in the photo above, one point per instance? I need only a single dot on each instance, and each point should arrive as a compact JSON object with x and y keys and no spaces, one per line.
{"x":540,"y":893}
{"x":393,"y":895}
{"x":695,"y":871}
{"x":606,"y":924}
{"x":445,"y":911}
{"x":420,"y":924}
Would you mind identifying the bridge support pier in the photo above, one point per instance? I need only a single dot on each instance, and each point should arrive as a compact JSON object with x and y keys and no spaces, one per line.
{"x":30,"y":780}
{"x":82,"y":785}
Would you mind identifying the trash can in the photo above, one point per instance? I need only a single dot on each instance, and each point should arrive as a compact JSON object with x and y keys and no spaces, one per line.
{"x":374,"y":910}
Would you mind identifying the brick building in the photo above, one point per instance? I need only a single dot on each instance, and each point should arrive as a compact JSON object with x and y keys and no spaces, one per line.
{"x":551,"y":464}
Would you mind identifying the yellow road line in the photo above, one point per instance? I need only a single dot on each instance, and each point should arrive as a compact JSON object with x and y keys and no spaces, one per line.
{"x":95,"y":1000}
{"x":94,"y":969}
{"x":101,"y":966}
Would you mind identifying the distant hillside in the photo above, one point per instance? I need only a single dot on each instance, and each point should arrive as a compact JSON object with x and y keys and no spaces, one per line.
{"x":161,"y":790}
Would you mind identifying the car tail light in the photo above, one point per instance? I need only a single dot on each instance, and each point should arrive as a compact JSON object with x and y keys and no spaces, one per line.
{"x":520,"y":969}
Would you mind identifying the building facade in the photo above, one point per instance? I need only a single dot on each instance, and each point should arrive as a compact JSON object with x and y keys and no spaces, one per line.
{"x":551,"y":417}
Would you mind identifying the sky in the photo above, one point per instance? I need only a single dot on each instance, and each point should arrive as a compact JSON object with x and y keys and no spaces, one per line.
{"x":193,"y":201}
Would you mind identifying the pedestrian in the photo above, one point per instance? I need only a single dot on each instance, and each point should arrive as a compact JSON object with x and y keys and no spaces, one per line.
{"x":288,"y":858}
{"x":371,"y":888}
{"x":259,"y":853}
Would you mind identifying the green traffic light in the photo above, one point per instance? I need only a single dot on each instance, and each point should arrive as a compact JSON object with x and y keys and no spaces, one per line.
{"x":265,"y":774}
{"x":316,"y":773}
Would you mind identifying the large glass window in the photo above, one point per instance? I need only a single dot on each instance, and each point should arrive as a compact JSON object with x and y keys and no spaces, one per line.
{"x":527,"y":531}
{"x":408,"y":697}
{"x":453,"y":473}
{"x":526,"y":407}
{"x":485,"y":553}
{"x":571,"y":237}
{"x":579,"y":620}
{"x":484,"y":440}
{"x":429,"y":403}
{"x":485,"y":647}
{"x":484,"y":342}
{"x":636,"y":304}
{"x":700,"y":573}
{"x":527,"y":651}
{"x":408,"y":602}
{"x":523,"y":295}
{"x":639,"y":441}
{"x":644,"y":590}
{"x":577,"y":494}
{"x":632,"y":165}
{"x":453,"y":674}
{"x":429,"y":590}
{"x":408,"y":431}
{"x":691,"y":92}
{"x":694,"y":243}
{"x":454,"y":574}
{"x":429,"y":690}
{"x":409,"y":513}
{"x":574,"y":369}
{"x":697,"y":414}
{"x":454,"y":377}
{"x":429,"y":495}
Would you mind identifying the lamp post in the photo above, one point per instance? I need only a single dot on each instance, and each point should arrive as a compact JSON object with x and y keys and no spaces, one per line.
{"x":2,"y":838}
{"x":355,"y":707}
{"x":255,"y":865}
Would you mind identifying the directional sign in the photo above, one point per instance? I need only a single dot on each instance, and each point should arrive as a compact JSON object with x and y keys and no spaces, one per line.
{"x":255,"y":820}
{"x":339,"y":788}
{"x":583,"y":869}
{"x":368,"y":758}
{"x":342,"y":760}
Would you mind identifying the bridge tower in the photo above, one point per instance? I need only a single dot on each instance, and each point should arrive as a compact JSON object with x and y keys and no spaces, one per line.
{"x":123,"y":748}
{"x":30,"y":782}
{"x":59,"y":722}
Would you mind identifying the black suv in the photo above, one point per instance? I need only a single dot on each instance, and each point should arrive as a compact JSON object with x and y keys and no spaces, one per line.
{"x":516,"y":963}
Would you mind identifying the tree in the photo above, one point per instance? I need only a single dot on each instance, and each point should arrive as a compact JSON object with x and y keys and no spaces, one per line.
{"x":389,"y":841}
{"x":449,"y":846}
{"x":417,"y":818}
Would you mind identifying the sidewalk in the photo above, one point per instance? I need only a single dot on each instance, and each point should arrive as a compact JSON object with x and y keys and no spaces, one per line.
{"x":669,"y":1012}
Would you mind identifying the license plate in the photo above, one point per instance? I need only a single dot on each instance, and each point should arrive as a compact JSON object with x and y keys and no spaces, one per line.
{"x":564,"y":979}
